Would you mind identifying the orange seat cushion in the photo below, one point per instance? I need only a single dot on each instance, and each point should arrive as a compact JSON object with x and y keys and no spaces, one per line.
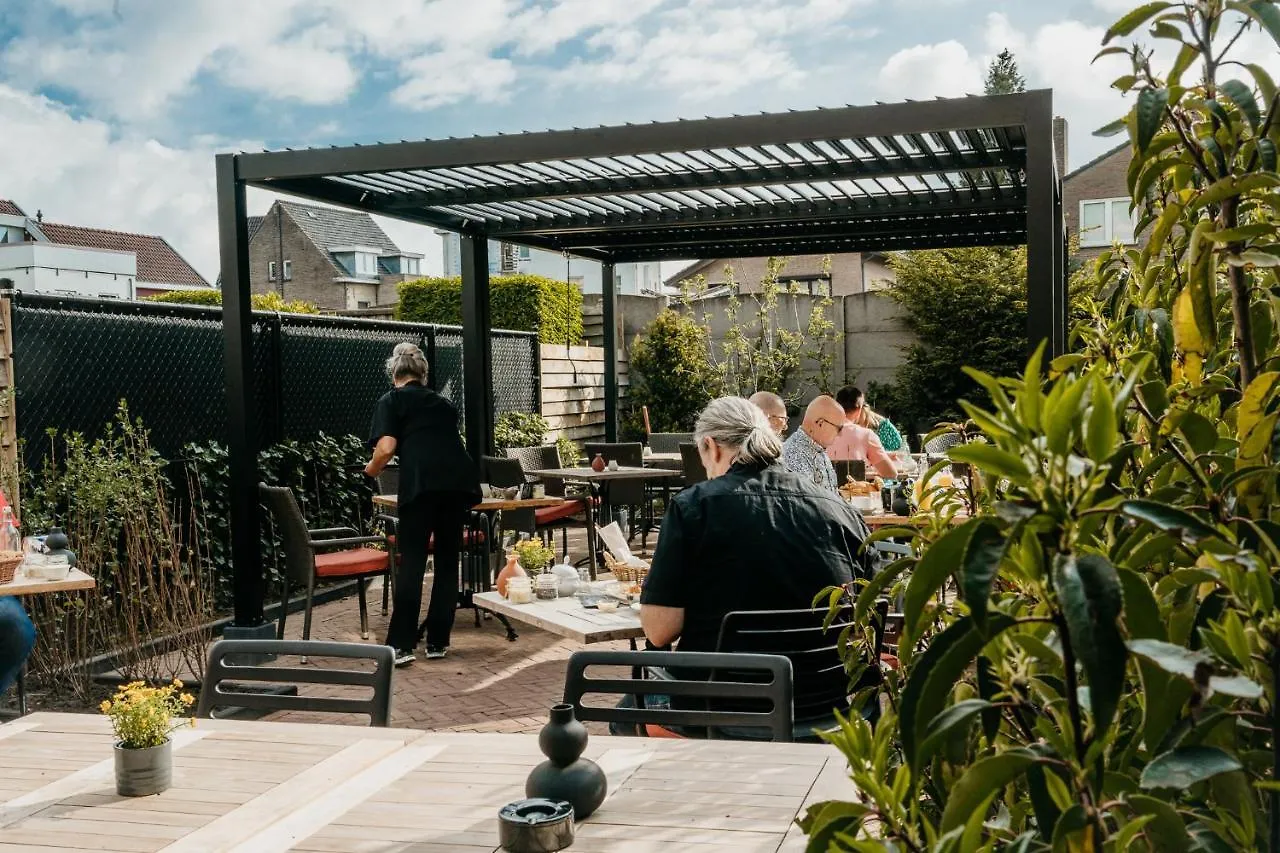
{"x":551,"y":514}
{"x":470,"y":537}
{"x":356,"y":561}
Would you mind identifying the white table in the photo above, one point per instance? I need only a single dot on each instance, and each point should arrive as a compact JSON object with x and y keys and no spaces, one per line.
{"x":565,"y":617}
{"x":257,"y":786}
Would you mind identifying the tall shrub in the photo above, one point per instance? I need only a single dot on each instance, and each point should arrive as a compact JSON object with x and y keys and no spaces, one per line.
{"x":671,"y":373}
{"x":522,"y":303}
{"x":1112,"y":680}
{"x":260,"y":301}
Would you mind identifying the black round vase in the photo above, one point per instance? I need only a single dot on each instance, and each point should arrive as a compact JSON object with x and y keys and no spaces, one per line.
{"x":565,"y":775}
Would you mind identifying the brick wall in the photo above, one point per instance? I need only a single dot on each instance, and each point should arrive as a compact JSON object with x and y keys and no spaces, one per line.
{"x":1104,"y":178}
{"x":313,"y":272}
{"x":847,"y":270}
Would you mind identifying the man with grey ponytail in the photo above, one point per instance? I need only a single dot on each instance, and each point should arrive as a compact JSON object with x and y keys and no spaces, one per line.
{"x":439,"y":483}
{"x":752,"y":537}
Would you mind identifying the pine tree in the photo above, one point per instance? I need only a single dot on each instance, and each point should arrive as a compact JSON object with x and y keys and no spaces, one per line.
{"x":1003,"y":77}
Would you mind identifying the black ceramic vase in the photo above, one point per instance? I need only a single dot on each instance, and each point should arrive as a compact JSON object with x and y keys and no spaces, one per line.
{"x":565,"y":775}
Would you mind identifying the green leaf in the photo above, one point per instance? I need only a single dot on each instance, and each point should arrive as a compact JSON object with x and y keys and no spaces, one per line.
{"x":1134,"y":19}
{"x":935,"y":673}
{"x":1100,"y":433}
{"x":981,"y":781}
{"x":941,"y":726}
{"x":1129,"y":831}
{"x":1046,"y":810}
{"x":1150,"y":114}
{"x":1186,"y":55}
{"x":1112,"y":128}
{"x":1233,"y":185}
{"x":1166,"y":828}
{"x":868,"y":595}
{"x":1242,"y":96}
{"x":981,"y":561}
{"x":988,"y":687}
{"x":1193,"y":665}
{"x":1068,"y":831}
{"x":1062,"y":417}
{"x":1183,"y":767}
{"x":1170,"y":519}
{"x":938,"y":562}
{"x":1266,"y":86}
{"x":1141,"y":613}
{"x":824,"y":820}
{"x":1265,"y":13}
{"x":1267,"y":154}
{"x":1091,"y":602}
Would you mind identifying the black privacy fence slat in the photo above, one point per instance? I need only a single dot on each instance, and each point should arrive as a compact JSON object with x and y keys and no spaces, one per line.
{"x":76,"y":359}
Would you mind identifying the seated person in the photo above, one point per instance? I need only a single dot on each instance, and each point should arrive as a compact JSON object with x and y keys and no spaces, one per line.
{"x":752,"y":537}
{"x":804,"y":453}
{"x":17,"y":637}
{"x":863,"y":416}
{"x":856,"y":442}
{"x":775,"y":410}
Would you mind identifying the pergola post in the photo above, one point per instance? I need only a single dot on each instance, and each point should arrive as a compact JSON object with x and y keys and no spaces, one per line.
{"x":477,"y":354}
{"x":1046,"y":300}
{"x":248,"y":588}
{"x":608,"y":304}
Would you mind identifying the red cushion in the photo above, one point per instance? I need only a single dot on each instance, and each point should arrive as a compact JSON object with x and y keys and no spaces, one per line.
{"x":556,"y":513}
{"x":469,"y":537}
{"x":356,"y":561}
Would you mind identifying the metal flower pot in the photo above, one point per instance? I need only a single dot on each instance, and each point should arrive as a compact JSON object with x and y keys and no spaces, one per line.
{"x":142,"y":772}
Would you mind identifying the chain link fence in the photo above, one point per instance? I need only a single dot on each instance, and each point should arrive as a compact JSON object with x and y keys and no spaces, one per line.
{"x":75,"y":360}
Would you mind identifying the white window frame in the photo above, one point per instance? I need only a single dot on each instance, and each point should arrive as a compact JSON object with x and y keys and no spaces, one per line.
{"x":271,"y":270}
{"x":1104,"y":237}
{"x":288,"y":270}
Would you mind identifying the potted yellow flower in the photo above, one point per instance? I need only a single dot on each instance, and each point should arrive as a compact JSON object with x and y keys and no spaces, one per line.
{"x":143,"y":718}
{"x":534,"y":558}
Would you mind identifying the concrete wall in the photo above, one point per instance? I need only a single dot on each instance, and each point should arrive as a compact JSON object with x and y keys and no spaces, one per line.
{"x":71,"y":270}
{"x":874,"y":338}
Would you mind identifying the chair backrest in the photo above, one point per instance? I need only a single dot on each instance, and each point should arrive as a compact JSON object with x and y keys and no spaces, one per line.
{"x":541,"y":458}
{"x":299,"y":558}
{"x":940,"y":444}
{"x":820,"y":681}
{"x":389,"y":480}
{"x":773,"y":690}
{"x":668,"y":442}
{"x":226,"y":665}
{"x":694,"y":471}
{"x":628,"y":454}
{"x":505,"y":473}
{"x":855,"y":468}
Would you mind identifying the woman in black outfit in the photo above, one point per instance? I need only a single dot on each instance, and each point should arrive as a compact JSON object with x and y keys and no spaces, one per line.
{"x":438,"y":485}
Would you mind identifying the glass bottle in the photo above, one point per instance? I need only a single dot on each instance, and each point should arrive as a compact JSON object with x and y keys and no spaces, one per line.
{"x":9,"y":538}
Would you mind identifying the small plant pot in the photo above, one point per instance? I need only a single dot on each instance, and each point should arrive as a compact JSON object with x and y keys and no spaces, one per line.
{"x":142,"y":772}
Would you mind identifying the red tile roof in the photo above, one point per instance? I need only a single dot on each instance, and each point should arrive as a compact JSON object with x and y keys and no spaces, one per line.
{"x":158,"y":262}
{"x":11,"y":208}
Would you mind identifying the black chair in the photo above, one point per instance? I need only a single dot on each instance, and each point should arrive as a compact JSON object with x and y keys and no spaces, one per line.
{"x":633,"y":494}
{"x":694,"y":471}
{"x":389,"y":518}
{"x":940,"y":444}
{"x":668,"y":442}
{"x":767,"y":696}
{"x":820,"y":685}
{"x":503,"y":473}
{"x":328,"y":553}
{"x":855,"y":468}
{"x":575,"y":512}
{"x":234,"y":661}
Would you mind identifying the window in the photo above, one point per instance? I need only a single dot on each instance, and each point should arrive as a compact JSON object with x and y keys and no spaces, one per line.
{"x":366,"y":264}
{"x":409,"y":266}
{"x":288,"y":270}
{"x":271,"y":270}
{"x":522,"y":253}
{"x":1105,"y":221}
{"x":362,"y":305}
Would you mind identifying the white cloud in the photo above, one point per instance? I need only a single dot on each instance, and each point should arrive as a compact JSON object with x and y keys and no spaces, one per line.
{"x":446,"y":77}
{"x":1118,"y":7}
{"x":925,"y":71}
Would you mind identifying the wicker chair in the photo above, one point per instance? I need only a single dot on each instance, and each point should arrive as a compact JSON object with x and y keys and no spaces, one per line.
{"x":668,"y":442}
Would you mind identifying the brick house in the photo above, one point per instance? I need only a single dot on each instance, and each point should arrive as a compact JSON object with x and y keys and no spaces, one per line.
{"x":338,"y":259}
{"x":1095,"y":203}
{"x":850,"y":273}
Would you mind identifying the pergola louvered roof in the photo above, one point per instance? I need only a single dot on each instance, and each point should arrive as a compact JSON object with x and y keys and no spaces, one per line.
{"x":891,"y":176}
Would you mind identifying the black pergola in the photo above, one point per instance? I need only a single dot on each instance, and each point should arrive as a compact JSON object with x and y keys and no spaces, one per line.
{"x":931,"y":174}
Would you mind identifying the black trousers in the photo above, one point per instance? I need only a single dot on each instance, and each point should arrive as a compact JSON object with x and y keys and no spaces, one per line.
{"x":431,"y":522}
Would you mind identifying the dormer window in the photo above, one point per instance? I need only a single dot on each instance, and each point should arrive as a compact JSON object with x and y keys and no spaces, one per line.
{"x":366,"y":263}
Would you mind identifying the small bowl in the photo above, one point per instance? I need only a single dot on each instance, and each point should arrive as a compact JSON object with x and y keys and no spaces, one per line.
{"x":608,"y":606}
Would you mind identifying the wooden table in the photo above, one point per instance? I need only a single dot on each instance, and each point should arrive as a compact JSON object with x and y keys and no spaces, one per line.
{"x":22,"y":585}
{"x":565,"y":617}
{"x":665,"y":461}
{"x":257,"y":786}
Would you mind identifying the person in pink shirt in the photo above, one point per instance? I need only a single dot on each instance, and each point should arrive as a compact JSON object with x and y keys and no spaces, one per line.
{"x":859,"y":443}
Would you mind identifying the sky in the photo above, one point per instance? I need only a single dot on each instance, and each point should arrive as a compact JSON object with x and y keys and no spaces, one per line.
{"x":112,"y":110}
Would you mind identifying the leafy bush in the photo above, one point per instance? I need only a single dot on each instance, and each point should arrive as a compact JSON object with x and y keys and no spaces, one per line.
{"x":261,"y":301}
{"x":671,"y":373}
{"x":519,"y":429}
{"x":522,"y":303}
{"x":1111,"y":680}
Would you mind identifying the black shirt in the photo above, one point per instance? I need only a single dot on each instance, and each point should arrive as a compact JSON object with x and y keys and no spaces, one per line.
{"x":752,"y":539}
{"x":432,"y":456}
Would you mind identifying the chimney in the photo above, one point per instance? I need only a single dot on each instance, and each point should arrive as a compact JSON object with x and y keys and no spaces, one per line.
{"x":39,"y":216}
{"x":1060,"y":144}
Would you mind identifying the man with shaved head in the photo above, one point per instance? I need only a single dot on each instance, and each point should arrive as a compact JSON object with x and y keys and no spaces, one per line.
{"x":804,"y":453}
{"x":774,"y":409}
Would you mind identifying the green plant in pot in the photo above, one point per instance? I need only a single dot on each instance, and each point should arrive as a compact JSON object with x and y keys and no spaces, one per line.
{"x":143,"y":718}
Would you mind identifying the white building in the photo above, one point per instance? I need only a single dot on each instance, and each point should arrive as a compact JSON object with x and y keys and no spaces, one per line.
{"x":638,"y":278}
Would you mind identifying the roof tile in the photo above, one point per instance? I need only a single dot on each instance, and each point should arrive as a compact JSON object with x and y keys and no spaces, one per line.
{"x":158,"y":262}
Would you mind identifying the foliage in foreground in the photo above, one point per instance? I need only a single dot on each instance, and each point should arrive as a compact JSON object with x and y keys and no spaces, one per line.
{"x":1110,"y":680}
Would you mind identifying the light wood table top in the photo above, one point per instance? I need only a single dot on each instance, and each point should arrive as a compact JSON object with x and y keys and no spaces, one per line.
{"x":23,"y":585}
{"x":565,"y":617}
{"x":667,"y":461}
{"x":258,"y":786}
{"x":890,"y":520}
{"x":486,"y":505}
{"x":587,"y":475}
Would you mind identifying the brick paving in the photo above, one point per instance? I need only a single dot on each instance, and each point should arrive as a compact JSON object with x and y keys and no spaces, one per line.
{"x":486,"y":684}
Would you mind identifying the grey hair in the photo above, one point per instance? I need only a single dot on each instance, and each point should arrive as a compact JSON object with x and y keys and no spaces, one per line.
{"x":736,"y":424}
{"x":407,"y":361}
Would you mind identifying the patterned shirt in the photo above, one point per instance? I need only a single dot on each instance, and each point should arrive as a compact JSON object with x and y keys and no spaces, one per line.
{"x":803,"y":456}
{"x":889,"y":435}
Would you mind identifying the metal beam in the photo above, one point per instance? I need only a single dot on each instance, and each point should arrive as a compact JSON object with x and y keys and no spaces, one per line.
{"x":477,"y":351}
{"x":659,"y":137}
{"x":608,"y":303}
{"x":1043,"y":238}
{"x":828,"y":245}
{"x":248,"y":587}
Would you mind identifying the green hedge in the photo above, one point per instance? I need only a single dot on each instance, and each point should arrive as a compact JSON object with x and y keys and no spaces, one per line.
{"x":213,"y":297}
{"x":522,"y":303}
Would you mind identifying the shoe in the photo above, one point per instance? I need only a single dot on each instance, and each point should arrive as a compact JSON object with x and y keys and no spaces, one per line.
{"x":403,"y":657}
{"x":436,"y":653}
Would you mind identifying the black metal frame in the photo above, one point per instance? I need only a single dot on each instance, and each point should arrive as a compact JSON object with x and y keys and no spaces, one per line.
{"x":949,"y":172}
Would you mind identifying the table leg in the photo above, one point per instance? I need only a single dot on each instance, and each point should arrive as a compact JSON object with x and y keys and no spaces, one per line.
{"x":22,"y":690}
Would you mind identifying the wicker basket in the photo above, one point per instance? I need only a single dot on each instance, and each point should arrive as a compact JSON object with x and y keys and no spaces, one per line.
{"x":9,"y":562}
{"x":625,"y":573}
